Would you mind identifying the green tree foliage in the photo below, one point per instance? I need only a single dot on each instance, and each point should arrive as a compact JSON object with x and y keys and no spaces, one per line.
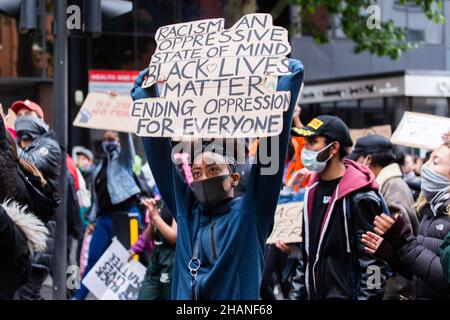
{"x":352,"y":17}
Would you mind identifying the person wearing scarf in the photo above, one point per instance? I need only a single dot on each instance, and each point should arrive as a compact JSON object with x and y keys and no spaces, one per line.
{"x":419,"y":257}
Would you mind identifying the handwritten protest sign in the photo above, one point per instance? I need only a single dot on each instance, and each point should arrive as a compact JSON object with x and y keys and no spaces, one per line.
{"x":105,"y":112}
{"x":215,"y":82}
{"x":113,"y":278}
{"x":385,"y":131}
{"x":420,"y":130}
{"x":288,"y":223}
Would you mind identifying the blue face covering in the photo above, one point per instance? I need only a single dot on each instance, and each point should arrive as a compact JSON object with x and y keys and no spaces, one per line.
{"x":109,"y":146}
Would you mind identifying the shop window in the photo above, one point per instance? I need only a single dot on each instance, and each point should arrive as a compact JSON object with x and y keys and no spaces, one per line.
{"x":114,"y":52}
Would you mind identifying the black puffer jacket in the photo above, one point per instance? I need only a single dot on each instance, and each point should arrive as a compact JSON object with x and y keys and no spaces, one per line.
{"x":45,"y":153}
{"x":20,"y":235}
{"x":40,"y":200}
{"x":417,"y":258}
{"x":22,"y":185}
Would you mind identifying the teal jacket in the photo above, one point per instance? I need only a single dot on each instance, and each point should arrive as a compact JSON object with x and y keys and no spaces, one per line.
{"x":232,"y":234}
{"x":445,"y":257}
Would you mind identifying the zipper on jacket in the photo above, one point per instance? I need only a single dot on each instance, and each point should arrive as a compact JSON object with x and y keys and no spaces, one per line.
{"x":213,"y":242}
{"x":347,"y":238}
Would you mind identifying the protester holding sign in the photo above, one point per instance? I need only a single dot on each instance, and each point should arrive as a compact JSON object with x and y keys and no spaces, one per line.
{"x":418,"y":258}
{"x":114,"y":191}
{"x":231,"y":231}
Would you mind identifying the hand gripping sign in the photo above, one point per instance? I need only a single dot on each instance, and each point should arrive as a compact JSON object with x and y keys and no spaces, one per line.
{"x":215,"y":82}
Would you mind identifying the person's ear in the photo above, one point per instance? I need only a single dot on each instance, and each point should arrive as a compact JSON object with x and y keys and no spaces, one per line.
{"x":235,"y":178}
{"x":335,"y":148}
{"x":369,"y":160}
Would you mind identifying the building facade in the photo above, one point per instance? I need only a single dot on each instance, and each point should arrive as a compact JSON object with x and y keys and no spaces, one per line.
{"x":365,"y":90}
{"x":359,"y":88}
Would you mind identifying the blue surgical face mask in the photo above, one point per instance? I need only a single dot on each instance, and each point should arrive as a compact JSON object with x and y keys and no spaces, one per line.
{"x":110,"y":146}
{"x":309,"y":159}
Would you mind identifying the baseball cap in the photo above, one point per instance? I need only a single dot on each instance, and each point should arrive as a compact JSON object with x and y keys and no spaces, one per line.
{"x":329,"y":126}
{"x":369,"y":145}
{"x":28,"y":104}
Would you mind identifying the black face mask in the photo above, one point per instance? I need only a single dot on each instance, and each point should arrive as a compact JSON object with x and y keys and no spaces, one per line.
{"x":211,"y":191}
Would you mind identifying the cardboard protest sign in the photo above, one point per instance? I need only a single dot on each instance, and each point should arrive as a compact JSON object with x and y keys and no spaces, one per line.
{"x":288,"y":223}
{"x":385,"y":131}
{"x":215,"y":82}
{"x":420,"y":130}
{"x":113,"y":278}
{"x":105,"y":112}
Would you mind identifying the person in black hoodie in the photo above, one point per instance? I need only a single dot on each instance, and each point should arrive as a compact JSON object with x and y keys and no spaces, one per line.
{"x":21,"y":233}
{"x":26,"y":183}
{"x":37,"y":145}
{"x":418,"y":257}
{"x":340,"y":204}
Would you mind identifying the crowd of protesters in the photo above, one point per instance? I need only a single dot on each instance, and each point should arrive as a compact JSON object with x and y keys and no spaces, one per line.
{"x":375,"y":221}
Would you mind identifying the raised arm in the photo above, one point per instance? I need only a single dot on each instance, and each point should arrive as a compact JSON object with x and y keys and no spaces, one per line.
{"x":174,"y":190}
{"x":127,"y":151}
{"x":265,"y":179}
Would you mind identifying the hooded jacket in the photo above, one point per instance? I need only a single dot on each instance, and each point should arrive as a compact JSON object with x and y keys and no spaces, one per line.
{"x":120,"y":181}
{"x":342,"y":270}
{"x":28,"y":190}
{"x":232,"y":235}
{"x":44,"y":152}
{"x":21,"y":235}
{"x":397,"y":194}
{"x":400,"y":201}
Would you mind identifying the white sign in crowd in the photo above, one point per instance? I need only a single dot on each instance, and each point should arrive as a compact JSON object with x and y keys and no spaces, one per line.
{"x":113,"y":277}
{"x":420,"y":130}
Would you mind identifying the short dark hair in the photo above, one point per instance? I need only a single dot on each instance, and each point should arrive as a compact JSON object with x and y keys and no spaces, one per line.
{"x":343,"y":151}
{"x":383,"y":159}
{"x":400,"y":158}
